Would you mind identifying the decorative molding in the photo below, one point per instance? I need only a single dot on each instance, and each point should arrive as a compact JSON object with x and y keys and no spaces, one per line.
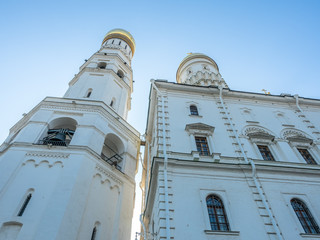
{"x":102,"y":170}
{"x":43,"y":162}
{"x":257,"y":133}
{"x":48,"y":154}
{"x":296,"y":136}
{"x":205,"y":78}
{"x":68,"y":113}
{"x":199,"y":128}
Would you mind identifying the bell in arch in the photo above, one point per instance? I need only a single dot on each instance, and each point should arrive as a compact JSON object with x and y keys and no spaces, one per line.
{"x":59,"y":135}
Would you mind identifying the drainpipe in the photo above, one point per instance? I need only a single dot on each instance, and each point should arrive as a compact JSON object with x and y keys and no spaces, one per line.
{"x":145,"y":236}
{"x":296,"y":96}
{"x":253,"y":167}
{"x":148,"y":171}
{"x":165,"y":164}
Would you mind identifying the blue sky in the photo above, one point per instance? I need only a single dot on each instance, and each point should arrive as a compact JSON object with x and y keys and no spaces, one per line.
{"x":257,"y":44}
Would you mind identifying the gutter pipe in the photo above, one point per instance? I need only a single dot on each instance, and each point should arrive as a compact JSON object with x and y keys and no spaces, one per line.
{"x":254,"y":170}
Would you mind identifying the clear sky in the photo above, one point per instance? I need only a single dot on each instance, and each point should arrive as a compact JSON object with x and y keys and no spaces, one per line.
{"x":257,"y":44}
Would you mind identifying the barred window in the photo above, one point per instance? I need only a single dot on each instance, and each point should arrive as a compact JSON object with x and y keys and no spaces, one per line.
{"x":306,"y":156}
{"x":217,"y":215}
{"x":202,"y":146}
{"x":194,"y":110}
{"x":265,"y":152}
{"x":305,"y":217}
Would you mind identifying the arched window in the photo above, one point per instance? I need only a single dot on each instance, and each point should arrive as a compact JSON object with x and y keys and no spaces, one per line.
{"x":194,"y":110}
{"x":113,"y":150}
{"x":89,"y":92}
{"x":94,"y":233}
{"x":102,"y":65}
{"x":25,"y":203}
{"x":120,"y":74}
{"x":217,"y":216}
{"x":305,"y":217}
{"x":60,"y":132}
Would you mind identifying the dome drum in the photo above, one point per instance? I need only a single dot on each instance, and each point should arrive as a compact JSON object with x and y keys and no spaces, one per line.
{"x":123,"y":35}
{"x":199,"y":69}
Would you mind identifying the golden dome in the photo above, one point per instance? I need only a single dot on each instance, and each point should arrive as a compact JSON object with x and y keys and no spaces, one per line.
{"x":122,"y":34}
{"x":191,"y":56}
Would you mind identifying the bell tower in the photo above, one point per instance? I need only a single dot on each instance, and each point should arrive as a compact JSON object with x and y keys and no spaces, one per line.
{"x":67,"y":167}
{"x":107,"y":75}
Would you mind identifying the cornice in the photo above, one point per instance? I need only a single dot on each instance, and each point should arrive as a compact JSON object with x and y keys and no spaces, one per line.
{"x":227,"y":93}
{"x":261,"y":165}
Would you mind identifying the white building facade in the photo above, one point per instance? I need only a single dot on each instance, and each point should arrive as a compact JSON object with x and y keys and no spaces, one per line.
{"x":67,"y":167}
{"x":225,"y":164}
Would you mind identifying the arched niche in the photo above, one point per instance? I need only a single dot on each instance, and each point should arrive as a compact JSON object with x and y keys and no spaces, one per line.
{"x":10,"y":230}
{"x":59,"y":132}
{"x":113,"y":150}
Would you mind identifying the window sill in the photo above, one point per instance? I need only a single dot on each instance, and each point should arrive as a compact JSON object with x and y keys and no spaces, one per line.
{"x":308,"y":235}
{"x":226,"y":233}
{"x":196,"y":116}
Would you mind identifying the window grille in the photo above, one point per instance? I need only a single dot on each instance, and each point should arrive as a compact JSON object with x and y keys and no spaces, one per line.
{"x":202,"y":146}
{"x":266,"y":153}
{"x":217,"y":215}
{"x":305,"y":217}
{"x":194,"y":110}
{"x":306,"y":156}
{"x":24,"y":205}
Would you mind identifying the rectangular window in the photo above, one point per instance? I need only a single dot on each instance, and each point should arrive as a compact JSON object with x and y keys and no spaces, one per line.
{"x":306,"y":155}
{"x":202,"y":146}
{"x":265,"y":152}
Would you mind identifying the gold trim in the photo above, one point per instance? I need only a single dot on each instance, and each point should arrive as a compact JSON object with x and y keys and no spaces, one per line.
{"x":193,"y":56}
{"x":123,"y":35}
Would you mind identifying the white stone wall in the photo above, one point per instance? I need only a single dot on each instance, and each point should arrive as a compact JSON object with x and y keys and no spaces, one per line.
{"x":191,"y":178}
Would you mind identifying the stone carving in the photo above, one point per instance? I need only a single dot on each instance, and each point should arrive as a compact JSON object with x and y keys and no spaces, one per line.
{"x":296,"y":136}
{"x":258,"y":133}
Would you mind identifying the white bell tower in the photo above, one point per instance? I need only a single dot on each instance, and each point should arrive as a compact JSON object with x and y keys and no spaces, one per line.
{"x":107,"y":75}
{"x":67,"y":167}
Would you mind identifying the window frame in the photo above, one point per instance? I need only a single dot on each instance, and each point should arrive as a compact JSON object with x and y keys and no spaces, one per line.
{"x":268,"y":146}
{"x":200,"y":130}
{"x":216,"y":214}
{"x":222,"y":194}
{"x":309,"y":214}
{"x":194,"y":111}
{"x":287,"y":196}
{"x":310,"y":153}
{"x":201,"y":153}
